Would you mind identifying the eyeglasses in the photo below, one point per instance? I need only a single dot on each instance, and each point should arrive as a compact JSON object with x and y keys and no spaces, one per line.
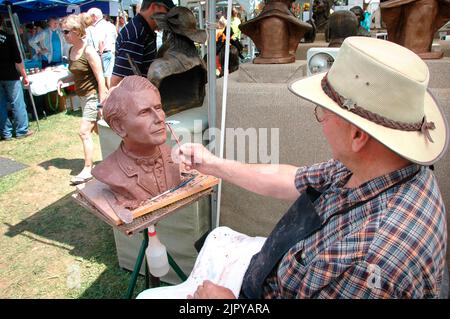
{"x":66,"y":31}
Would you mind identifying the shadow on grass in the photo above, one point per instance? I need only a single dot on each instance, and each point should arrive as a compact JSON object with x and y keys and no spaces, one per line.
{"x":76,"y":113}
{"x":75,"y":165}
{"x":65,"y":222}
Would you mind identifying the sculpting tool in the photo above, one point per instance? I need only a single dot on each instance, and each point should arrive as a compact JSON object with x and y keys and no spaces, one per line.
{"x":168,"y":123}
{"x":174,"y":135}
{"x":175,"y":188}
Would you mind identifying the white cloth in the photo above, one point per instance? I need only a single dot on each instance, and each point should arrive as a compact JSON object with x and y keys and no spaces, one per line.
{"x":46,"y":81}
{"x":102,"y":31}
{"x":223,"y":259}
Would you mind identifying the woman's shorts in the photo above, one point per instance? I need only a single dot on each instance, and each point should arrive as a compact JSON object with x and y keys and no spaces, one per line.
{"x":89,"y":106}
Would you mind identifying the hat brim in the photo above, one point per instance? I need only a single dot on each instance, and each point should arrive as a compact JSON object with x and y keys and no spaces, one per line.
{"x":198,"y":35}
{"x":413,"y":146}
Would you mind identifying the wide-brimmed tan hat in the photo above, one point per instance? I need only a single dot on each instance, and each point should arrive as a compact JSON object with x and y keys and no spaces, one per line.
{"x":180,"y":20}
{"x":381,"y":87}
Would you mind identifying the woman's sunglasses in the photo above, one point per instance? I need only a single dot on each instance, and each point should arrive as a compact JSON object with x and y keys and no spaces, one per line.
{"x":66,"y":31}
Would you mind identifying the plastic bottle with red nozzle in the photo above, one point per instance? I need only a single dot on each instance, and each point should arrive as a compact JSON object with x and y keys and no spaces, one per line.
{"x":156,"y":254}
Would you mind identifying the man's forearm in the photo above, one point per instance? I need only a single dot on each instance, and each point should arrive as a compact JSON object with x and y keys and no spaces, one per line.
{"x":21,"y":69}
{"x":272,"y":180}
{"x":115,"y":80}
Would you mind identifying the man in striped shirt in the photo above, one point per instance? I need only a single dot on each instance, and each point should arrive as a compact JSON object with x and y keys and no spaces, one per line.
{"x":137,"y":39}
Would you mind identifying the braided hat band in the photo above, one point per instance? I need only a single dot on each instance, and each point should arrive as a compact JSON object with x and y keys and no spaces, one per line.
{"x":350,"y":106}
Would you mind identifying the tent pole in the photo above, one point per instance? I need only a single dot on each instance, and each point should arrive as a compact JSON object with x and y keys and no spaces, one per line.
{"x":224,"y":101}
{"x":211,"y":54}
{"x":16,"y":36}
{"x":201,"y":25}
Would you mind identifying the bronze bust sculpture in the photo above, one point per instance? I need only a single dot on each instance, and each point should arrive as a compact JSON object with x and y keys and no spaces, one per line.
{"x":178,"y":72}
{"x":276,"y":32}
{"x":141,"y":167}
{"x":321,"y":13}
{"x":413,"y":23}
{"x":341,"y":24}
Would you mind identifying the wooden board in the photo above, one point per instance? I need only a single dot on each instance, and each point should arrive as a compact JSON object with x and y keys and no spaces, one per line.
{"x":93,"y":193}
{"x":144,"y":221}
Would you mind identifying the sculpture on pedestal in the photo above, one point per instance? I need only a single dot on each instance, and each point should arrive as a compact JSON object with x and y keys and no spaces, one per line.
{"x":341,"y":24}
{"x":141,"y":167}
{"x":321,"y":12}
{"x":178,"y":72}
{"x":413,"y":23}
{"x":276,"y":32}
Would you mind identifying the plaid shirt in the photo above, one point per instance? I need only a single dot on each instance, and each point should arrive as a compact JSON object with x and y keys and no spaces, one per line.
{"x":391,"y":245}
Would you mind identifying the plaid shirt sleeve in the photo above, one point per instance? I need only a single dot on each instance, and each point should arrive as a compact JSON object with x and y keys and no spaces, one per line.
{"x":318,"y":175}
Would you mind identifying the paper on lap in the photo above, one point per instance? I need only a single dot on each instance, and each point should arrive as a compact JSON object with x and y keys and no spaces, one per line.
{"x":223,"y":260}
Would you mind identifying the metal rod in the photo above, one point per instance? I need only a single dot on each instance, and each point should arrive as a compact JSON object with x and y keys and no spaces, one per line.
{"x":176,"y":268}
{"x":211,"y":27}
{"x":137,"y":266}
{"x":201,"y":24}
{"x":224,"y":103}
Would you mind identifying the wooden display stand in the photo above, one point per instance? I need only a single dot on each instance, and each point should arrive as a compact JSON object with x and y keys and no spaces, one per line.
{"x":91,"y":196}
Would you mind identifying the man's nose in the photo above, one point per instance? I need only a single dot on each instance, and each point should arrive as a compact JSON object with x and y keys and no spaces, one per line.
{"x":159,"y":115}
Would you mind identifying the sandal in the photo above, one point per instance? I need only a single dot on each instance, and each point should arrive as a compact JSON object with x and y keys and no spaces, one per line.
{"x":76,"y":180}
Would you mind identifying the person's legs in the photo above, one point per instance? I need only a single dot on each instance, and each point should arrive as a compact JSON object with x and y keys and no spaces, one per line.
{"x":85,"y":133}
{"x":12,"y":94}
{"x":5,"y":123}
{"x":19,"y":110}
{"x":89,"y":105}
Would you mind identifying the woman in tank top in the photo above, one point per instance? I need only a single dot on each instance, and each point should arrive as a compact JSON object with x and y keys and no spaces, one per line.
{"x":87,"y":74}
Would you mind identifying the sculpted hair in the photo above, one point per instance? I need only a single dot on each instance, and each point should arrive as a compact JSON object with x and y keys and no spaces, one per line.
{"x":121,"y":96}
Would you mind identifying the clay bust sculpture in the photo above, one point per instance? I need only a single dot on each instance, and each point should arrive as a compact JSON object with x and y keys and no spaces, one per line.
{"x":413,"y":23}
{"x":178,"y":72}
{"x":141,"y":167}
{"x":276,"y":32}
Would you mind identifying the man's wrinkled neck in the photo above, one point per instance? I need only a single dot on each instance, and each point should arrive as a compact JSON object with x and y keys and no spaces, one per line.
{"x":138,"y":150}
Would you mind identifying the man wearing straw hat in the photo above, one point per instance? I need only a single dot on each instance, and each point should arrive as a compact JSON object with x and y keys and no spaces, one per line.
{"x":369,"y":223}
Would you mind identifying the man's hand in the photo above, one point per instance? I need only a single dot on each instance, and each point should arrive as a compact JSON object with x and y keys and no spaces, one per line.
{"x":196,"y":156}
{"x":100,"y":113}
{"x":209,"y":290}
{"x":58,"y":87}
{"x":101,"y":47}
{"x":25,"y":81}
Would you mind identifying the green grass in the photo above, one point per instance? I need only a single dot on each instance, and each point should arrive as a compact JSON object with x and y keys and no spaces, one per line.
{"x":47,"y":239}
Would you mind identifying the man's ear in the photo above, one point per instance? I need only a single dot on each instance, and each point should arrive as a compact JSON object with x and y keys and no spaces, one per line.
{"x":359,"y":138}
{"x":117,"y":127}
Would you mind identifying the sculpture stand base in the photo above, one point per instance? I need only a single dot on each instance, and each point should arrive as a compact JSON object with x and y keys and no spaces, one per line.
{"x":284,"y":60}
{"x":431,"y":55}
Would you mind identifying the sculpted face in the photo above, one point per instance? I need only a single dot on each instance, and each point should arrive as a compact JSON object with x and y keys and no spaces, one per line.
{"x":144,"y":123}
